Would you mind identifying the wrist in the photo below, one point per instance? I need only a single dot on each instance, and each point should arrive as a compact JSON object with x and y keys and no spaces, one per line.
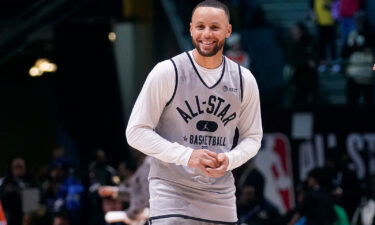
{"x":114,"y":192}
{"x":230,"y":160}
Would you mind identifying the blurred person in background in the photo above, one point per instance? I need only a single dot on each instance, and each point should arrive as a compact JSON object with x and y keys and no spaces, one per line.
{"x":252,"y":14}
{"x":344,"y":185}
{"x":59,"y":155}
{"x":31,"y":219}
{"x":235,"y":51}
{"x":326,"y":27}
{"x":120,"y":192}
{"x":347,"y":11}
{"x":63,"y":192}
{"x":300,"y":195}
{"x":303,"y":61}
{"x":365,"y":212}
{"x":253,"y":208}
{"x":248,"y":173}
{"x":360,"y":58}
{"x":100,"y":173}
{"x":11,"y":187}
{"x":317,"y":206}
{"x":135,"y":190}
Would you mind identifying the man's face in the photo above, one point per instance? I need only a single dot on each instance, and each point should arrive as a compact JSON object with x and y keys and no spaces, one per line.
{"x":208,"y":28}
{"x":18,"y":167}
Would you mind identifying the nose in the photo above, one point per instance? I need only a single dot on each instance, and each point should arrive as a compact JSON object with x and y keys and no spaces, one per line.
{"x":207,"y":32}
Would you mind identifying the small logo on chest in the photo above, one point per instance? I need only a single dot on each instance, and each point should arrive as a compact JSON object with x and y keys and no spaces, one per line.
{"x":209,"y":126}
{"x":230,"y":89}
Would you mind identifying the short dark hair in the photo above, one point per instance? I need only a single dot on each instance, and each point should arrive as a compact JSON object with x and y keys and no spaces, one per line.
{"x":213,"y":4}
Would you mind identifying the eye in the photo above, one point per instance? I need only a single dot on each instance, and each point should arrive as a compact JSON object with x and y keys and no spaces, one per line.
{"x":215,"y":27}
{"x":200,"y":27}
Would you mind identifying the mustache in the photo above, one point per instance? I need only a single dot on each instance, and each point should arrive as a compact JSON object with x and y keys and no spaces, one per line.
{"x":219,"y":45}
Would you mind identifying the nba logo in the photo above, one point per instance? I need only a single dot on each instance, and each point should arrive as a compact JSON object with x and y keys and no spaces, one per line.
{"x":274,"y":162}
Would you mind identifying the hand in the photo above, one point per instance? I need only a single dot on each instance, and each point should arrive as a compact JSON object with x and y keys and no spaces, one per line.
{"x":117,"y":216}
{"x":219,"y":171}
{"x":202,"y":159}
{"x":107,"y":191}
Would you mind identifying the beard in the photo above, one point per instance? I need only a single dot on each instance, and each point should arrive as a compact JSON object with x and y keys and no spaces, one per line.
{"x":217,"y":47}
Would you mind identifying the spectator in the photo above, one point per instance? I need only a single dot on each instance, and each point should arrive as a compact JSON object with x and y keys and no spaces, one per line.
{"x":136,"y":191}
{"x":365,"y":213}
{"x":255,"y":209}
{"x":30,"y":219}
{"x":235,"y":51}
{"x":100,"y":173}
{"x":347,"y":10}
{"x":249,"y":174}
{"x":317,"y":206}
{"x":302,"y":59}
{"x":359,"y":74}
{"x":252,"y":14}
{"x":11,"y":187}
{"x":344,"y":184}
{"x":326,"y":33}
{"x":63,"y":192}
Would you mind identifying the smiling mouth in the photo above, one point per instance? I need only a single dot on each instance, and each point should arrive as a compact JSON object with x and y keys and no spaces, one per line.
{"x":207,"y":43}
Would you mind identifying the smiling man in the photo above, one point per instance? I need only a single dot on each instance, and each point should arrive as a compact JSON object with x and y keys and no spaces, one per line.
{"x":198,"y":116}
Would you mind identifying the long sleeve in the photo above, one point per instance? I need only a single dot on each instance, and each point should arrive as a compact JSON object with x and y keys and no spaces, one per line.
{"x":156,"y":92}
{"x":250,"y":124}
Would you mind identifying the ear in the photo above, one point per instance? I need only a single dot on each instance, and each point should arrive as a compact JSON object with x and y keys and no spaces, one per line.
{"x":191,"y":29}
{"x":229,"y":31}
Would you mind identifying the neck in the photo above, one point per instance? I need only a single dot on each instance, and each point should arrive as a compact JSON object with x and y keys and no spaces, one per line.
{"x":211,"y":62}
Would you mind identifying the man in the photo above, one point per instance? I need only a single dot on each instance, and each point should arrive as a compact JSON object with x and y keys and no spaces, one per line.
{"x":136,"y":193}
{"x":190,"y":178}
{"x":235,"y":51}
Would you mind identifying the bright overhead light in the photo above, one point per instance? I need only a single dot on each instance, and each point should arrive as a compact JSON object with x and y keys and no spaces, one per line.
{"x":112,"y":36}
{"x":35,"y":72}
{"x":42,"y":66}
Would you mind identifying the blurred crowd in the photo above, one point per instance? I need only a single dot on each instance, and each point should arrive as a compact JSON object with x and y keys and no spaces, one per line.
{"x":336,"y":37}
{"x":341,"y":41}
{"x":329,"y":195}
{"x":57,"y":194}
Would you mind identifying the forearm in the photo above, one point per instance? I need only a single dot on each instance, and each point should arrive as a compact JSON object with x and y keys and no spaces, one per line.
{"x":249,"y":125}
{"x":150,"y":143}
{"x":123,"y":194}
{"x":244,"y":151}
